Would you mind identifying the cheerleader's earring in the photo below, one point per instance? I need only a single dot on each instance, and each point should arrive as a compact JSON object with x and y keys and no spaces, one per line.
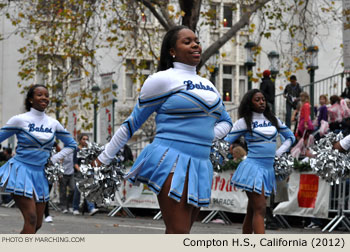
{"x":173,"y":56}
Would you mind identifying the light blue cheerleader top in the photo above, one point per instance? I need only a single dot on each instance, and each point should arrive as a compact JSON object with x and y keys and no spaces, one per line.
{"x":188,"y":107}
{"x":262,"y":142}
{"x":36,"y":134}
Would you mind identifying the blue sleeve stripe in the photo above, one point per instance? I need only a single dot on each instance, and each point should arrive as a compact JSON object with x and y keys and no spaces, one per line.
{"x":129,"y":127}
{"x":145,"y":101}
{"x":225,"y":121}
{"x":9,"y":128}
{"x":237,"y":132}
{"x":62,"y":133}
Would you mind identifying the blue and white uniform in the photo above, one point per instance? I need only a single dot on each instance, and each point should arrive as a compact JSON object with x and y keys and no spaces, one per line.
{"x":256,"y":172}
{"x":24,"y":173}
{"x":190,"y":115}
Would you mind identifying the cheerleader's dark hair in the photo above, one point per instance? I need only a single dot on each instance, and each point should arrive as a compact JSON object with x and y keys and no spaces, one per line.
{"x":169,"y":41}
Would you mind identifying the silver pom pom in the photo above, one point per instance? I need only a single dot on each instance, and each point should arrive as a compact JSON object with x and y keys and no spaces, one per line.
{"x":53,"y":171}
{"x":99,"y":184}
{"x":219,"y":151}
{"x":331,"y":165}
{"x":283,"y":166}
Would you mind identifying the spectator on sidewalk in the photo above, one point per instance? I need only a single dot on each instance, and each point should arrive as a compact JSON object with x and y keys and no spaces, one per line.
{"x":346,"y":92}
{"x":67,"y":182}
{"x":83,"y":140}
{"x":292,"y":94}
{"x":305,"y":124}
{"x":334,"y":114}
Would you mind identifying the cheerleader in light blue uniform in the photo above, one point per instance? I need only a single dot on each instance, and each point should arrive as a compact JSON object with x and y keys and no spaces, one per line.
{"x":23,"y":175}
{"x":190,"y":115}
{"x":256,"y":174}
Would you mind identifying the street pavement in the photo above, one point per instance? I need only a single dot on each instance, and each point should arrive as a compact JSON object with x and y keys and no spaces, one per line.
{"x":11,"y":222}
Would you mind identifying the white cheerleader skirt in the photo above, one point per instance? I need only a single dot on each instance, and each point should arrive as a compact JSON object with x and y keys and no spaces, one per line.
{"x":163,"y":156}
{"x":25,"y":180}
{"x":255,"y":175}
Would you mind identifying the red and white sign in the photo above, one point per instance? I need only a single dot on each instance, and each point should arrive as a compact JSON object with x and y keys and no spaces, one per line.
{"x":308,"y":196}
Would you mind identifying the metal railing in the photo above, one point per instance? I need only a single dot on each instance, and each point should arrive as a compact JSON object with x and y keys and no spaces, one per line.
{"x":333,"y":85}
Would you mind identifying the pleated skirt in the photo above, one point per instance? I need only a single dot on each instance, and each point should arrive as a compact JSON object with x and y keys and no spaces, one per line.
{"x":24,"y":180}
{"x":254,"y":175}
{"x":164,"y":156}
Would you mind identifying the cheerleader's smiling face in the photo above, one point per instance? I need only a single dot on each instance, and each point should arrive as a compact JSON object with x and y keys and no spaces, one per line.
{"x":40,"y":99}
{"x":187,"y":48}
{"x":258,"y":103}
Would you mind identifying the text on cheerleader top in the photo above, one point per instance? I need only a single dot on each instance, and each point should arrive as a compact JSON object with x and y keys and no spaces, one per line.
{"x":256,"y":124}
{"x":32,"y":128}
{"x":191,"y":86}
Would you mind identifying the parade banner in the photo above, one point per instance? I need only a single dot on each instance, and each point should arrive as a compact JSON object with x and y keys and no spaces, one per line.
{"x":225,"y":197}
{"x":106,"y":104}
{"x":138,"y":196}
{"x":346,"y":35}
{"x":308,"y":196}
{"x":73,"y":106}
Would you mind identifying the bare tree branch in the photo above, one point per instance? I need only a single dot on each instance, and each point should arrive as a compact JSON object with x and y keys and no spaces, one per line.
{"x":244,"y":20}
{"x":149,"y":4}
{"x":192,"y":12}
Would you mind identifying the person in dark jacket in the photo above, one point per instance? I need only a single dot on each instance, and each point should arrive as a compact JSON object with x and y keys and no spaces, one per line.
{"x":268,"y":89}
{"x":346,"y":92}
{"x":292,"y":94}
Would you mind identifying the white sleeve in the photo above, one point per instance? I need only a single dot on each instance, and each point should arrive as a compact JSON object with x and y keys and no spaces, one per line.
{"x":345,"y":143}
{"x":284,"y":147}
{"x":61,"y":155}
{"x":119,"y":139}
{"x":221,"y":130}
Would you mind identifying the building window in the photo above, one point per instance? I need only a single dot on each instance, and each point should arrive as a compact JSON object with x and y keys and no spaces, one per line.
{"x":135,"y":75}
{"x":227,"y":22}
{"x":129,"y":84}
{"x":76,"y":67}
{"x":42,"y":70}
{"x":50,"y":7}
{"x":130,"y":79}
{"x":227,"y":87}
{"x":213,"y":15}
{"x":242,"y":88}
{"x":227,"y":82}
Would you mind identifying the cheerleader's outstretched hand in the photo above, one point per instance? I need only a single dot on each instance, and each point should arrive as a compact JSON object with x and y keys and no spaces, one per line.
{"x":337,"y":146}
{"x":96,"y":163}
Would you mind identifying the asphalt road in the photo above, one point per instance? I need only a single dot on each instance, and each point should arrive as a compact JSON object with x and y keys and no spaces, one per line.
{"x":11,"y":222}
